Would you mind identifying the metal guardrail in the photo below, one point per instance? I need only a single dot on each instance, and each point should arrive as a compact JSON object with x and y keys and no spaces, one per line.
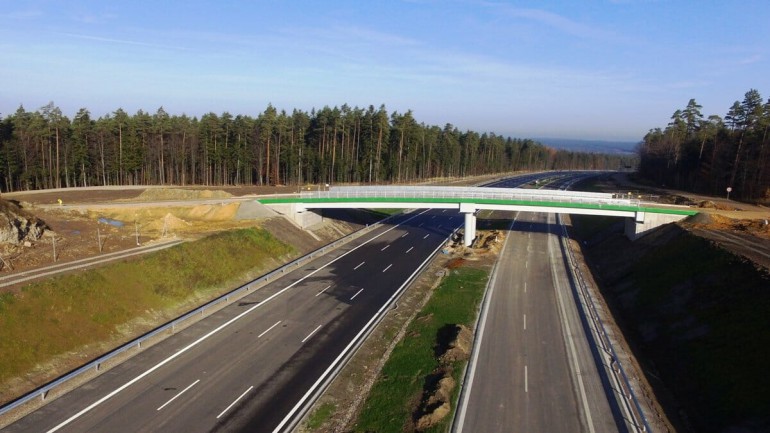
{"x":629,"y":399}
{"x":466,"y":193}
{"x":182,"y":321}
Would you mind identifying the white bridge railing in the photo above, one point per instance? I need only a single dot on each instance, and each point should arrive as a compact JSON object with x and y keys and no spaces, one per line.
{"x":471,"y":193}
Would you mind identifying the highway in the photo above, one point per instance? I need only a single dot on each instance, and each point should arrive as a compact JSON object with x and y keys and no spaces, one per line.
{"x":534,"y":369}
{"x":247,"y":367}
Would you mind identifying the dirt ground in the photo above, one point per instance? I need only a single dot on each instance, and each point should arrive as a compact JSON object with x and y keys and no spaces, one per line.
{"x":741,"y":228}
{"x":75,"y":234}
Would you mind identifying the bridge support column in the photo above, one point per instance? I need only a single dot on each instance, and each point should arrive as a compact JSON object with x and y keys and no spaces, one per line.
{"x":470,"y":223}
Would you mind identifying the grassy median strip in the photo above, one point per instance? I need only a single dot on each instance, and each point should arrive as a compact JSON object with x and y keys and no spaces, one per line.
{"x":63,"y":314}
{"x":397,"y":397}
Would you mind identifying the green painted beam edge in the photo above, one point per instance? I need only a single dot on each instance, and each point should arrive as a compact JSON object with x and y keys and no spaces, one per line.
{"x":479,"y":201}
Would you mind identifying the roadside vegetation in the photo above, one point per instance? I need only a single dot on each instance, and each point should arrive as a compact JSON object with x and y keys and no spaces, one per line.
{"x":419,"y":376}
{"x":697,"y":318}
{"x":65,"y":314}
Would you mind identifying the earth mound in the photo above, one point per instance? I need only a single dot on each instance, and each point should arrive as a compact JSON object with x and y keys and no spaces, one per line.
{"x":153,"y":194}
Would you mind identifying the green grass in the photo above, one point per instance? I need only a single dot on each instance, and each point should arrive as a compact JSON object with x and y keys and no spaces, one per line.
{"x":62,"y":314}
{"x":320,"y":416}
{"x":394,"y":397}
{"x":700,"y":316}
{"x":696,"y":287}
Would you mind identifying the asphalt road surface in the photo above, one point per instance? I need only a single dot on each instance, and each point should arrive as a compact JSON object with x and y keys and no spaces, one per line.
{"x":534,"y":370}
{"x":246,"y":367}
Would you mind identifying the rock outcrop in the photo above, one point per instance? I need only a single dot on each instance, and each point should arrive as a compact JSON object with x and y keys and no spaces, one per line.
{"x":17,"y":226}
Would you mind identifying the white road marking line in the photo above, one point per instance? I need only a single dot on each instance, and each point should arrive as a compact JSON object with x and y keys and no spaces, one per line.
{"x":236,"y":401}
{"x":525,"y":322}
{"x":420,"y":225}
{"x":385,"y":247}
{"x":439,"y":226}
{"x":357,"y":293}
{"x":526,"y":380}
{"x":525,"y":287}
{"x":387,"y":267}
{"x":410,"y":249}
{"x":426,"y":236}
{"x":443,"y":210}
{"x":404,"y":235}
{"x":324,"y":289}
{"x":526,"y":264}
{"x":311,"y":334}
{"x":180,"y":393}
{"x":268,"y":329}
{"x":214,"y":331}
{"x":432,"y":216}
{"x":359,"y":265}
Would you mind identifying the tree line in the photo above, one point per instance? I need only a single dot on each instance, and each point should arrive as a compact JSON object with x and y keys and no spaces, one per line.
{"x":712,"y":154}
{"x":46,"y":149}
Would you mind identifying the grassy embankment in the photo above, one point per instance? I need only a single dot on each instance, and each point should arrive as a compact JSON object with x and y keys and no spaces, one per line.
{"x":394,"y":398}
{"x":698,"y":317}
{"x":64,"y":314}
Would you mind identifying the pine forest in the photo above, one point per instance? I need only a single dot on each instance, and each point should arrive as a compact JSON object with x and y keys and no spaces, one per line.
{"x":46,"y":149}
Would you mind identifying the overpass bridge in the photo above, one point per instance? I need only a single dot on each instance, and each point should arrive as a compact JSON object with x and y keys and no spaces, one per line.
{"x":640,"y":217}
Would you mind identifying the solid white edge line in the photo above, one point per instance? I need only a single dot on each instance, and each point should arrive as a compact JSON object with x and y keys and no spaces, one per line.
{"x":180,"y":393}
{"x":214,"y":331}
{"x":268,"y":329}
{"x":334,"y":365}
{"x":388,"y":267}
{"x":314,"y":331}
{"x":465,"y":392}
{"x":236,"y":401}
{"x":359,"y":265}
{"x":324,"y":289}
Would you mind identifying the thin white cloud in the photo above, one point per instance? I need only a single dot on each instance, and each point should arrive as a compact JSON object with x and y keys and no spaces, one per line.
{"x":750,"y":60}
{"x":122,"y":41}
{"x":550,"y":19}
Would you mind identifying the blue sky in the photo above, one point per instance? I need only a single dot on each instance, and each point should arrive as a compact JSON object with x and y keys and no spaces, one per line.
{"x":574,"y":69}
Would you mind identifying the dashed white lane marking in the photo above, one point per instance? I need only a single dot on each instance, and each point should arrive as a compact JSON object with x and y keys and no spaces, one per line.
{"x":404,"y":235}
{"x":180,"y":393}
{"x":385,"y":247}
{"x":526,"y":380}
{"x":324,"y":289}
{"x":525,"y":322}
{"x":525,"y":287}
{"x":236,"y":401}
{"x":420,"y":225}
{"x":426,"y":236}
{"x":410,"y":249}
{"x":311,"y":334}
{"x":357,"y":293}
{"x":443,"y":210}
{"x":359,"y":265}
{"x":388,"y":267}
{"x":269,"y":329}
{"x":432,"y":216}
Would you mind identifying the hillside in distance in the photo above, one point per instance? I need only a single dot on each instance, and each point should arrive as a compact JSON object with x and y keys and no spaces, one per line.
{"x":594,"y":146}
